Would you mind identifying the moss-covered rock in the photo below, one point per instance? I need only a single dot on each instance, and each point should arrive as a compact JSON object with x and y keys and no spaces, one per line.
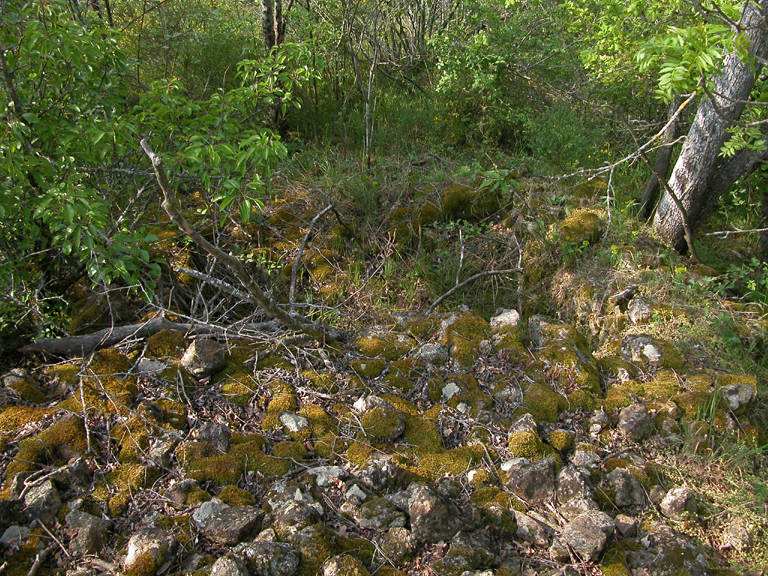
{"x":582,"y":226}
{"x":383,"y":424}
{"x":221,"y":469}
{"x":543,"y":403}
{"x":368,"y":368}
{"x":463,"y":334}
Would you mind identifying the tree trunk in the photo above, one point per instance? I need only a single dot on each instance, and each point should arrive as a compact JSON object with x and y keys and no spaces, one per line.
{"x":700,"y":159}
{"x":268,"y":24}
{"x":661,"y":167}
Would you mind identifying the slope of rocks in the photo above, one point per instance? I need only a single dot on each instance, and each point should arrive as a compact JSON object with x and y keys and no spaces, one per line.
{"x":448,"y":445}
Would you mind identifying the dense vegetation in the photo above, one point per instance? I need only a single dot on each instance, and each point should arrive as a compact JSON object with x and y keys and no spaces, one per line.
{"x":344,"y":97}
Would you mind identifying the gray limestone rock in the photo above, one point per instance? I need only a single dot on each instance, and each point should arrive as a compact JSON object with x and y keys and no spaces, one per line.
{"x":159,"y":544}
{"x":504,"y":319}
{"x":228,"y":566}
{"x":266,"y":558}
{"x":588,"y":534}
{"x":344,"y":565}
{"x":532,"y":481}
{"x":294,"y":516}
{"x":379,"y":514}
{"x":42,"y":501}
{"x":217,"y":435}
{"x":635,"y":422}
{"x":679,"y":504}
{"x":572,"y":484}
{"x":639,"y":310}
{"x":738,"y":396}
{"x":397,"y":544}
{"x":434,"y":353}
{"x":293,"y":422}
{"x":532,"y":530}
{"x":328,"y":475}
{"x":231,"y":525}
{"x":434,"y":518}
{"x":381,"y":474}
{"x":203,"y":358}
{"x":626,"y":491}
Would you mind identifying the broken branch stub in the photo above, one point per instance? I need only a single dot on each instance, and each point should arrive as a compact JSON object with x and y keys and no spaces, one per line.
{"x":288,"y":320}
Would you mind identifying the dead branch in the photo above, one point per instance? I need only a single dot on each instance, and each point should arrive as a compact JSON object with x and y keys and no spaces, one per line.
{"x":477,"y":276}
{"x":270,"y":306}
{"x":89,"y":343}
{"x":295,"y":267}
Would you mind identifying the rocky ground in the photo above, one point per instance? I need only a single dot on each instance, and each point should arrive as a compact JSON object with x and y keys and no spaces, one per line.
{"x":444,"y":444}
{"x":437,"y":445}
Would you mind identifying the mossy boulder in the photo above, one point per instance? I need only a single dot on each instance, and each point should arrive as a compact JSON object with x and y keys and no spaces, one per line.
{"x":542,"y":403}
{"x":581,"y":226}
{"x":529,"y":445}
{"x":456,"y":202}
{"x":221,"y":469}
{"x":462,"y":335}
{"x":368,"y":368}
{"x":387,"y":346}
{"x":64,"y":439}
{"x":383,"y":424}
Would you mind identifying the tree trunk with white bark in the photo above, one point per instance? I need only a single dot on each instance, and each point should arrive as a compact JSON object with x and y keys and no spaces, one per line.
{"x":694,"y":179}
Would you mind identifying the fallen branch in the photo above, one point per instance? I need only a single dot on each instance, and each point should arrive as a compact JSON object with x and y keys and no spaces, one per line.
{"x":477,"y":276}
{"x":89,"y":343}
{"x":291,"y":321}
{"x":295,"y":267}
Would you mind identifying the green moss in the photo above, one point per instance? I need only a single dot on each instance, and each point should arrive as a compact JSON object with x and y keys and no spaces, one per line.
{"x":13,"y":418}
{"x":237,"y":388}
{"x":316,"y":544}
{"x":529,"y":445}
{"x":359,"y":453}
{"x":271,"y":422}
{"x":390,"y":347}
{"x":405,"y":406}
{"x":54,"y":445}
{"x":463,"y":336}
{"x":382,"y":424}
{"x":290,"y":449}
{"x":234,"y":496}
{"x":320,"y":422}
{"x":621,"y":393}
{"x":456,"y":202}
{"x":119,"y":486}
{"x":105,"y":386}
{"x":368,"y":368}
{"x":694,"y":404}
{"x":583,"y":225}
{"x":394,"y":380}
{"x":510,"y":340}
{"x":543,"y":403}
{"x":282,"y":403}
{"x":422,"y":434}
{"x":701,"y":382}
{"x":663,"y":386}
{"x":250,"y":456}
{"x":166,"y":344}
{"x":196,"y":496}
{"x":221,"y":469}
{"x":582,"y":399}
{"x":614,"y":563}
{"x":27,"y":392}
{"x":561,"y":439}
{"x":436,"y":465}
{"x":323,"y":381}
{"x":422,"y":327}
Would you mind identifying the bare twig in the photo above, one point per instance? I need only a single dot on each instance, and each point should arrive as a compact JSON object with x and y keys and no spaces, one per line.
{"x":295,"y":267}
{"x":477,"y":276}
{"x":270,"y":306}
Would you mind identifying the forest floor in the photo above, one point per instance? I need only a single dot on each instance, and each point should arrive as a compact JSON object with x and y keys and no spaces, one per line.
{"x":590,"y":402}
